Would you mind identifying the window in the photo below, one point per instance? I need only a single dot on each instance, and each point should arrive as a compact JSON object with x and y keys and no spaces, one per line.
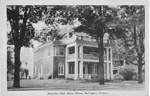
{"x":105,"y":54}
{"x":89,"y":50}
{"x":71,"y":50}
{"x":61,"y":69}
{"x":71,"y":68}
{"x":83,"y":69}
{"x":60,"y":51}
{"x":94,"y":69}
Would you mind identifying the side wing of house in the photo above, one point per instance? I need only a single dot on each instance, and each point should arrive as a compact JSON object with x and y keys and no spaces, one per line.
{"x":43,"y":61}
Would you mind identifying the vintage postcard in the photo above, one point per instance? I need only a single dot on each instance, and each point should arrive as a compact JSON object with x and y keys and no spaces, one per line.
{"x":66,"y":48}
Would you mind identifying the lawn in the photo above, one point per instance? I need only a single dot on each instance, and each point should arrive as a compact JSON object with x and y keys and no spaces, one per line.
{"x":70,"y":85}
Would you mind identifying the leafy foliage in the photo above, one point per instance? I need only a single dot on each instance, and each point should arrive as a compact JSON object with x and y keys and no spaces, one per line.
{"x":127,"y":73}
{"x":118,"y":77}
{"x":10,"y":63}
{"x":21,"y":19}
{"x":134,"y":22}
{"x":96,"y":21}
{"x":49,"y":34}
{"x":22,"y":31}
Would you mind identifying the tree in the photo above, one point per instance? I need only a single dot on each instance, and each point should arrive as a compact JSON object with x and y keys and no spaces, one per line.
{"x":133,"y":19}
{"x":22,"y":31}
{"x":54,"y":17}
{"x":49,"y":34}
{"x":96,"y":21}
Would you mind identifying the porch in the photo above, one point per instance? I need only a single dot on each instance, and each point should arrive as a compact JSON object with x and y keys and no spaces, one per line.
{"x":87,"y":71}
{"x":82,"y":60}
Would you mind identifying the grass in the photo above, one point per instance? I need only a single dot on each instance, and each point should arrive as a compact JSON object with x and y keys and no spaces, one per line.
{"x":61,"y":84}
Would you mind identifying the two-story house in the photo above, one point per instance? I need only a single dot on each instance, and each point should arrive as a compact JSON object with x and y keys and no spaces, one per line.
{"x":72,"y":59}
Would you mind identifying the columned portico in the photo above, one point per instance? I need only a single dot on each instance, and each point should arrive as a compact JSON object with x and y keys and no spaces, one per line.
{"x":80,"y":60}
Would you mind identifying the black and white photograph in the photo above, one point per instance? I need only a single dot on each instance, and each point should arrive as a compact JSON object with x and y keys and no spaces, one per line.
{"x":75,"y":49}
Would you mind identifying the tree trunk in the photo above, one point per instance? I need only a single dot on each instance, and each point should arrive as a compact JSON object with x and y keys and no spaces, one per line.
{"x":101,"y":63}
{"x":101,"y":72}
{"x":140,"y":74}
{"x":17,"y":66}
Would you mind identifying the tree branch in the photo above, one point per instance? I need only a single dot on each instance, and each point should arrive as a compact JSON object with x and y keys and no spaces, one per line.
{"x":135,"y":40}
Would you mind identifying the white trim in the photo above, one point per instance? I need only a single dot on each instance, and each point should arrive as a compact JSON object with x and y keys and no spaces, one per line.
{"x":71,"y":60}
{"x":71,"y":45}
{"x":35,"y":69}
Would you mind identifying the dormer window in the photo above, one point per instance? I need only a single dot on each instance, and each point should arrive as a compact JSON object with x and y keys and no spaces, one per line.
{"x":70,"y":35}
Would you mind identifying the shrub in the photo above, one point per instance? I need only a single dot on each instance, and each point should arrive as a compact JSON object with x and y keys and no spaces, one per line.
{"x":127,"y":73}
{"x":49,"y":76}
{"x":35,"y":76}
{"x":41,"y":77}
{"x":135,"y":76}
{"x":118,"y":77}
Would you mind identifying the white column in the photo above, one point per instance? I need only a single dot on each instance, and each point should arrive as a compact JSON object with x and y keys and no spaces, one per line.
{"x":124,"y":62}
{"x":41,"y":70}
{"x":66,"y":63}
{"x":76,"y":62}
{"x":111,"y":63}
{"x":107,"y":61}
{"x":81,"y":63}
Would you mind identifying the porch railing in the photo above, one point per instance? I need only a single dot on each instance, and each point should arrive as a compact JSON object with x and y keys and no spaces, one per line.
{"x":71,"y":56}
{"x":89,"y":56}
{"x":85,"y":76}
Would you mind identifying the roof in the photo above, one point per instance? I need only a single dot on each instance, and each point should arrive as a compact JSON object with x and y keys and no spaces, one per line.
{"x":66,"y":29}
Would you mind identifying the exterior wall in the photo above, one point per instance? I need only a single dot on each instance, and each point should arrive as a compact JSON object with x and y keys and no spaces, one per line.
{"x":49,"y":62}
{"x":27,"y":59}
{"x":44,"y":67}
{"x":43,"y":61}
{"x":58,"y":60}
